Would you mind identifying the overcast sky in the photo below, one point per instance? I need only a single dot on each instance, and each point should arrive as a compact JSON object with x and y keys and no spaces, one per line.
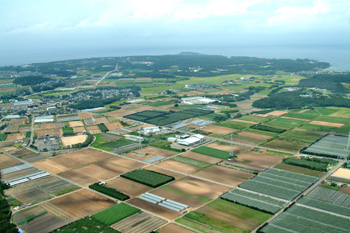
{"x":47,"y":24}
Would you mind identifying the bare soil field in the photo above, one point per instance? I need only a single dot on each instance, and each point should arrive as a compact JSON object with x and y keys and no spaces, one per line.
{"x":76,"y":124}
{"x":159,"y":210}
{"x":33,"y":195}
{"x":173,"y":228}
{"x":71,"y":140}
{"x":94,"y":129}
{"x":100,"y":120}
{"x":94,"y":173}
{"x":177,"y":197}
{"x":129,"y":110}
{"x":82,"y":203}
{"x":324,"y":123}
{"x":254,"y":135}
{"x":12,"y":129}
{"x":236,"y":148}
{"x":15,"y":136}
{"x":42,"y":224}
{"x":342,"y":173}
{"x":125,"y":162}
{"x":128,"y":187}
{"x":259,"y":160}
{"x":22,"y":152}
{"x":48,"y":126}
{"x":276,"y":113}
{"x":204,"y":158}
{"x":224,"y":175}
{"x":156,"y":151}
{"x":85,"y":115}
{"x":177,"y":166}
{"x":243,"y":121}
{"x":199,"y":187}
{"x":71,"y":160}
{"x":345,"y":190}
{"x":218,"y":129}
{"x":79,"y":129}
{"x":8,"y":148}
{"x":20,"y":173}
{"x":17,"y":121}
{"x":114,"y":126}
{"x":166,"y":172}
{"x":51,"y":132}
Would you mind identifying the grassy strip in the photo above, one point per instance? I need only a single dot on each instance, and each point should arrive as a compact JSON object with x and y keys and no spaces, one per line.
{"x":115,"y":213}
{"x":212,"y":152}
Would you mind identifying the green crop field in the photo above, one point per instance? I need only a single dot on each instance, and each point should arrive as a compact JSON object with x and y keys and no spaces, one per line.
{"x":212,"y":152}
{"x":254,"y":118}
{"x":115,"y":213}
{"x":204,"y":219}
{"x":3,"y":137}
{"x":86,"y":224}
{"x":160,"y":103}
{"x":321,"y":111}
{"x":306,"y":136}
{"x":147,"y":177}
{"x":117,"y":144}
{"x":285,"y":123}
{"x":191,"y":196}
{"x":305,"y":116}
{"x":98,"y":143}
{"x":292,"y":146}
{"x":193,"y":162}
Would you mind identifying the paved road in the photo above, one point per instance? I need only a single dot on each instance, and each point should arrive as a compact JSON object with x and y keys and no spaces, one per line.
{"x":307,"y":191}
{"x":96,"y":84}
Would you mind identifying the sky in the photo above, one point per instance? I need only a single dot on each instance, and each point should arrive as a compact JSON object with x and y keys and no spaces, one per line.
{"x":139,"y":24}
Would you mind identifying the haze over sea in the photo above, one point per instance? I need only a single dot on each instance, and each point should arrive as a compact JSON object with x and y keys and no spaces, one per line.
{"x":338,"y":57}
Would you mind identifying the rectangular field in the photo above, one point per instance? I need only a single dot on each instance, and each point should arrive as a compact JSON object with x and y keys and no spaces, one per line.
{"x":115,"y":213}
{"x":258,"y":160}
{"x":82,"y":203}
{"x":147,"y":177}
{"x":128,"y":187}
{"x":201,"y":157}
{"x":179,"y":166}
{"x":279,"y":183}
{"x":224,"y":216}
{"x":329,"y":146}
{"x":291,"y":146}
{"x":212,"y":152}
{"x":224,"y":175}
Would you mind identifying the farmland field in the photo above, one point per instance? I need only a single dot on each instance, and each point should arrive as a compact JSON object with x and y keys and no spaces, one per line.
{"x":291,"y":146}
{"x":301,"y":170}
{"x":179,"y":166}
{"x":302,"y":135}
{"x":183,"y":198}
{"x":258,"y":160}
{"x":256,"y":200}
{"x":200,"y":157}
{"x":279,"y":183}
{"x":86,"y":224}
{"x":285,"y":123}
{"x":150,"y":178}
{"x":224,"y":175}
{"x":212,"y":152}
{"x":224,"y":216}
{"x":173,"y":228}
{"x":190,"y":161}
{"x":329,"y":146}
{"x":115,"y":213}
{"x":128,"y":187}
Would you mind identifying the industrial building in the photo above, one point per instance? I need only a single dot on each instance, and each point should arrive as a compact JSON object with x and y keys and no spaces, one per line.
{"x":197,"y":100}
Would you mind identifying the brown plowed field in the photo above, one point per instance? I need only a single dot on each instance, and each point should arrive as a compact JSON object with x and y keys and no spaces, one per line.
{"x":15,"y":136}
{"x":113,"y":126}
{"x":46,"y":126}
{"x":236,"y":148}
{"x":143,"y":80}
{"x":156,"y":151}
{"x":8,"y":148}
{"x":85,"y":115}
{"x":177,"y":166}
{"x":173,"y":228}
{"x":258,"y":160}
{"x":22,"y":152}
{"x":20,"y":173}
{"x":79,"y":129}
{"x":224,"y":175}
{"x":82,"y":203}
{"x":51,"y":132}
{"x":71,"y":160}
{"x":33,"y":195}
{"x":128,"y":187}
{"x":76,"y":124}
{"x":177,"y":197}
{"x":125,"y":162}
{"x":199,"y":187}
{"x":90,"y":121}
{"x":254,"y":135}
{"x":7,"y":161}
{"x":218,"y":129}
{"x":159,"y":210}
{"x":101,"y":120}
{"x":94,"y":173}
{"x":324,"y":123}
{"x":166,"y":172}
{"x":204,"y":158}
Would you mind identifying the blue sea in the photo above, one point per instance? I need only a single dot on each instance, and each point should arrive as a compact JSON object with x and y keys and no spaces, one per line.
{"x":337,"y":56}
